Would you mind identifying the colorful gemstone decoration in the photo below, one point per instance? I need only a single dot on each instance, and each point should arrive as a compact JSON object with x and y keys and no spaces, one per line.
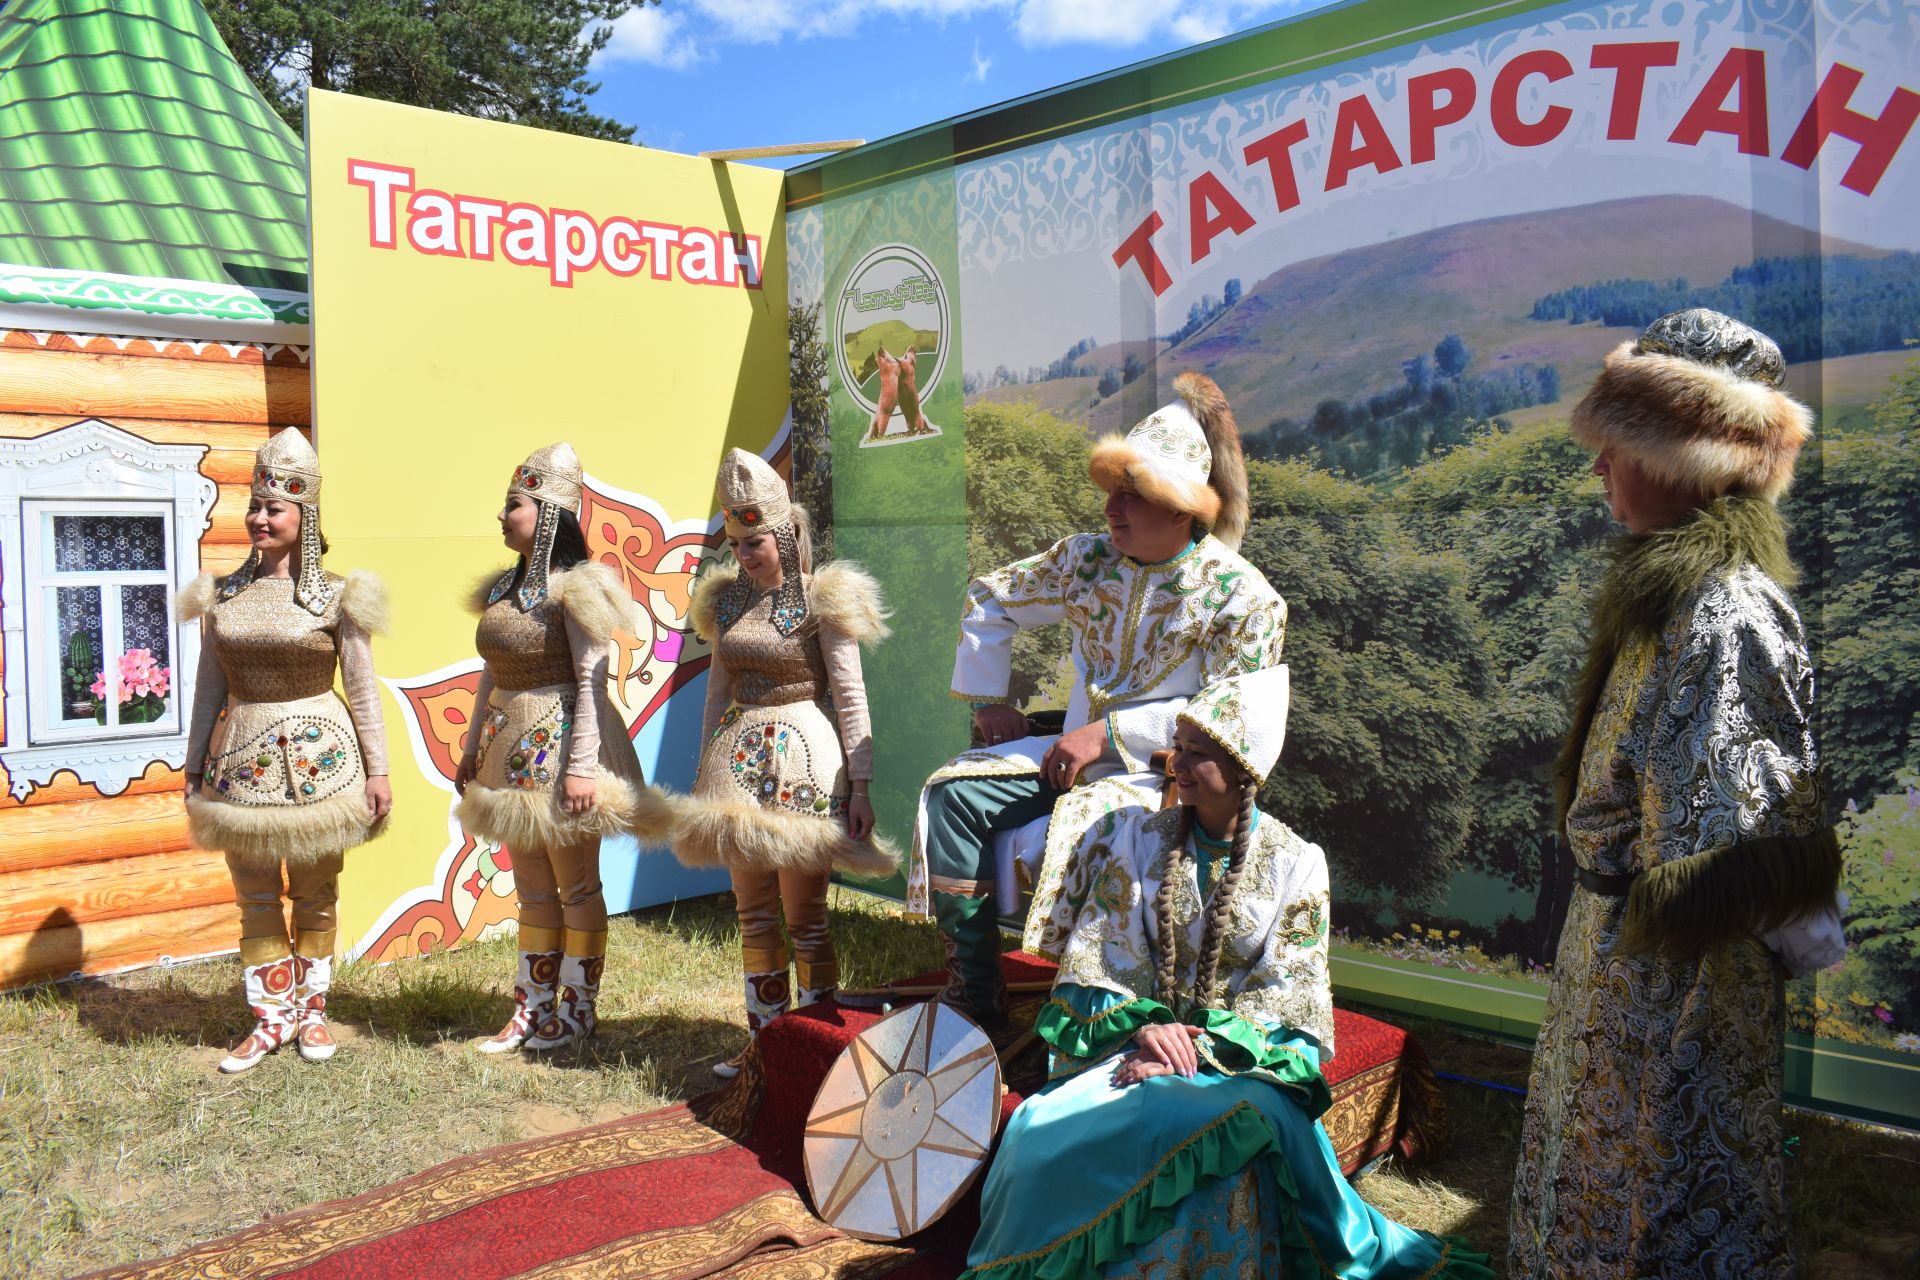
{"x":526,"y":765}
{"x":275,"y":762}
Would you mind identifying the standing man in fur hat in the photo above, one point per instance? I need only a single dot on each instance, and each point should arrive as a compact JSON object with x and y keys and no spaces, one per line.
{"x":1690,"y":793}
{"x":1161,"y":605}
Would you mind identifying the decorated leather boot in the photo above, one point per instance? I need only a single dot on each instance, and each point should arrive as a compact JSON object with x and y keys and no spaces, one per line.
{"x":970,"y":929}
{"x":768,"y":996}
{"x":269,"y":986}
{"x":312,"y":976}
{"x":533,"y":988}
{"x":814,"y":981}
{"x":572,"y":1015}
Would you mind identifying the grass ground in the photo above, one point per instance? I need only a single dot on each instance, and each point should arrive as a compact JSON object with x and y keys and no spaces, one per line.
{"x":118,"y":1140}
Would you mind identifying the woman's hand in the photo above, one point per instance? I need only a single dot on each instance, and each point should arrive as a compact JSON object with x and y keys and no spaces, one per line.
{"x":1072,"y":753}
{"x":193,"y":784}
{"x":379,"y":796}
{"x":1136,"y":1067}
{"x":859,"y":816}
{"x":463,"y":774}
{"x":1170,"y":1045}
{"x":998,"y":723}
{"x":576,"y":794}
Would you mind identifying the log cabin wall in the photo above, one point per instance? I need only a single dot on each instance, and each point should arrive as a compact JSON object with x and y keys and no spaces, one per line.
{"x":95,"y":877}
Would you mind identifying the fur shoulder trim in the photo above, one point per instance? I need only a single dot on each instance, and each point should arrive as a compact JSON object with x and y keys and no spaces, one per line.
{"x":363,"y":601}
{"x":593,"y":596}
{"x":476,"y":599}
{"x":706,"y":602}
{"x":844,"y":596}
{"x":1654,"y":578}
{"x":196,"y":598}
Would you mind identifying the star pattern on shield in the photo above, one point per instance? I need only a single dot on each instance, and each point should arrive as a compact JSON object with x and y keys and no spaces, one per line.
{"x":903,"y":1122}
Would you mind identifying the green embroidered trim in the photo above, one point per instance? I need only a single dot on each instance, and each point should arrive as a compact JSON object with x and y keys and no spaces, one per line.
{"x":1076,"y":1036}
{"x":1144,"y":1212}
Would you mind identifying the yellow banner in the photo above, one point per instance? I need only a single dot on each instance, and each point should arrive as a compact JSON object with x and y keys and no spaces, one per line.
{"x":481,"y":290}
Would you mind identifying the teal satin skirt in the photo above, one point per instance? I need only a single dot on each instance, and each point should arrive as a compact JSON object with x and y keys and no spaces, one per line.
{"x":1216,"y":1175}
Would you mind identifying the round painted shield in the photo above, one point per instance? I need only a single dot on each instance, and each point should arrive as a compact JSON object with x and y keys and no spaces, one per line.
{"x":901,"y":1127}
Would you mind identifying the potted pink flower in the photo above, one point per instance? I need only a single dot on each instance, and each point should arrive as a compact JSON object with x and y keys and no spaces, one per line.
{"x":143,"y":684}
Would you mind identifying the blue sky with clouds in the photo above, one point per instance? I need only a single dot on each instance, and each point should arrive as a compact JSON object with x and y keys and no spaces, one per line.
{"x":704,"y":75}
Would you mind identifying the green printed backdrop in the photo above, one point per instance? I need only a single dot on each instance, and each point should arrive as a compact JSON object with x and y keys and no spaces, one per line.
{"x":898,"y":497}
{"x":1402,"y":237}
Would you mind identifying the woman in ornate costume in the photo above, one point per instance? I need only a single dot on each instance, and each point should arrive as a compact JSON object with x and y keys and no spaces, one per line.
{"x":1179,"y":1133}
{"x":1690,"y":794}
{"x":548,"y":768}
{"x":280,"y":772}
{"x":781,"y":796}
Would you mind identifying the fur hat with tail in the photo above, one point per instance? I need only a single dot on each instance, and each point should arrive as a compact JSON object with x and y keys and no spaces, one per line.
{"x":1696,"y":403}
{"x":1185,"y":456}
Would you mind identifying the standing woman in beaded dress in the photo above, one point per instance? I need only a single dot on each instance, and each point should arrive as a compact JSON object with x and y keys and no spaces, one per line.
{"x":781,"y":796}
{"x":548,"y":768}
{"x":280,"y":772}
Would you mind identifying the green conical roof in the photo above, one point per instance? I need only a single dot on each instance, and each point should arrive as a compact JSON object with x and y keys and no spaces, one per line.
{"x":132,"y":143}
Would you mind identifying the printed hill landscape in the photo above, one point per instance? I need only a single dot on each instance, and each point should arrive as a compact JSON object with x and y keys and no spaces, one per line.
{"x":1340,"y":327}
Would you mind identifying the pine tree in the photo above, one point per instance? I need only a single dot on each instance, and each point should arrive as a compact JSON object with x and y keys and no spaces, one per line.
{"x":519,"y":60}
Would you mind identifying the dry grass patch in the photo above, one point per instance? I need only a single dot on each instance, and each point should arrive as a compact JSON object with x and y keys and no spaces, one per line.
{"x":118,"y":1141}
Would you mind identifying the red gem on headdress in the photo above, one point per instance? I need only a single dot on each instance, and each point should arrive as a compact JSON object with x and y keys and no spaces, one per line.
{"x":749,"y":516}
{"x":295,"y":486}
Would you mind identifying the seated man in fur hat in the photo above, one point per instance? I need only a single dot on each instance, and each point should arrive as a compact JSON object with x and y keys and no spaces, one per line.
{"x":1161,"y":605}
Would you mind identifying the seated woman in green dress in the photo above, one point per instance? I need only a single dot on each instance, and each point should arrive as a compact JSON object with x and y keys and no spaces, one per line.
{"x":1179,"y":1132}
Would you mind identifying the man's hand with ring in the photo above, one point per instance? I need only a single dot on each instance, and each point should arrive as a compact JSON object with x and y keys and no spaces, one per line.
{"x":998,"y":723}
{"x":1072,"y":753}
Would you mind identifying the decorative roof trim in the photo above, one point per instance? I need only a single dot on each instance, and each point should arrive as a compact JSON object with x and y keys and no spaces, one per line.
{"x":273,"y":353}
{"x":102,"y":302}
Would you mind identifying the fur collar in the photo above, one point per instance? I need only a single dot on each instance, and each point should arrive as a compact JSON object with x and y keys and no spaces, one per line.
{"x":1651,"y":578}
{"x":841,"y":594}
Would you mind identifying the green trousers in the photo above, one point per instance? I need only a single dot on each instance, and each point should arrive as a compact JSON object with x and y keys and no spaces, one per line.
{"x":962,"y":816}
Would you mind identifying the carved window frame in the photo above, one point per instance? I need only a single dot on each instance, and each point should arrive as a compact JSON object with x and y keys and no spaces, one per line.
{"x":94,"y":463}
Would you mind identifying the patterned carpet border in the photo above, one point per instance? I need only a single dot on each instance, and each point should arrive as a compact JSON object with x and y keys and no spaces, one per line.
{"x":305,"y":1236}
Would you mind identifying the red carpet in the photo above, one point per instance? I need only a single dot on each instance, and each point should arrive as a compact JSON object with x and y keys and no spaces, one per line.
{"x":715,"y":1188}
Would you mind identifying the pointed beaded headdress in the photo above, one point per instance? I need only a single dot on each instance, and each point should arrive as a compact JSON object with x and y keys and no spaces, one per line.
{"x":753,"y":498}
{"x":552,"y":478}
{"x":286,"y":469}
{"x":1246,"y":714}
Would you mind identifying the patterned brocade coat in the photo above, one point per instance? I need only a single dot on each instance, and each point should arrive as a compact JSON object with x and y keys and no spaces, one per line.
{"x":1652,"y":1142}
{"x":1146,"y":637}
{"x":1273,"y":966}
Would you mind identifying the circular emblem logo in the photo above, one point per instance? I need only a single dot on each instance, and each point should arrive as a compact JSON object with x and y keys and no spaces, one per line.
{"x":891,"y":335}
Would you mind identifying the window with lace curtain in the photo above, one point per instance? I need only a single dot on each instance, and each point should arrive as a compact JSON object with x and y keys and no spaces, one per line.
{"x":99,"y":531}
{"x":100,"y":627}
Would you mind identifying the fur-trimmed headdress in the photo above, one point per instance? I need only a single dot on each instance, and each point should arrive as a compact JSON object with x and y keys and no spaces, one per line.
{"x":1696,"y":402}
{"x":1185,"y":456}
